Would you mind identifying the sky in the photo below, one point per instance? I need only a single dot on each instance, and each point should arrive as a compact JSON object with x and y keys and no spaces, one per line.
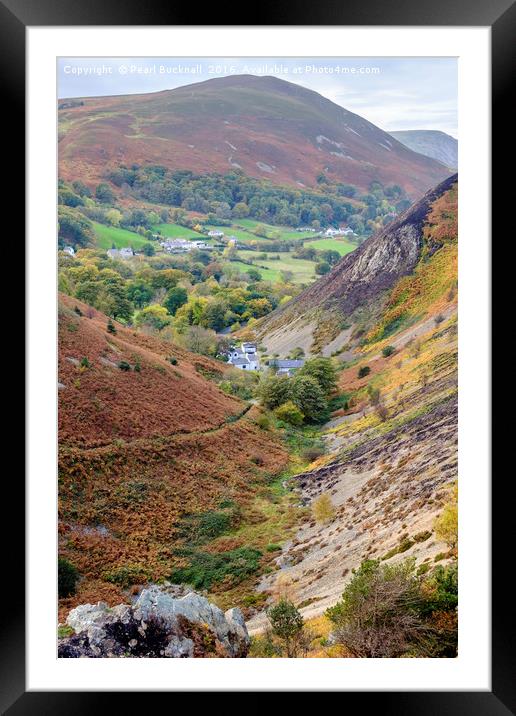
{"x":393,"y":93}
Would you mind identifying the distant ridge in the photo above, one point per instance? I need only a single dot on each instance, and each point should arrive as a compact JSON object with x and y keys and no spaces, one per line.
{"x":432,"y":143}
{"x":263,"y":126}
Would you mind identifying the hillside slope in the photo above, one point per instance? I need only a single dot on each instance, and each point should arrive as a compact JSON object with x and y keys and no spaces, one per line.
{"x":139,"y":450}
{"x":392,"y":447}
{"x":265,"y":126}
{"x":342,"y":305}
{"x":431,"y":143}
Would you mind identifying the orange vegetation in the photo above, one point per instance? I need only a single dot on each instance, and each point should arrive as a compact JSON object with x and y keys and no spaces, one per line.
{"x":138,"y":450}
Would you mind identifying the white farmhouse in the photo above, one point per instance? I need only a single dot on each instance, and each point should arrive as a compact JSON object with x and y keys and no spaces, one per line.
{"x":215,"y":234}
{"x":244,"y":357}
{"x":69,"y":250}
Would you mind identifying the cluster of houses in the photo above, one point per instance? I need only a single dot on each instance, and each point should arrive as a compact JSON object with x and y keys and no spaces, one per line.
{"x":338,"y":232}
{"x":181,"y":246}
{"x":245,"y":357}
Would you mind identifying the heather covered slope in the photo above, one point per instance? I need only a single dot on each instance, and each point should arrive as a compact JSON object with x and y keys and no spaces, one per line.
{"x":138,"y":451}
{"x":342,"y":306}
{"x":101,"y":403}
{"x":267,"y":127}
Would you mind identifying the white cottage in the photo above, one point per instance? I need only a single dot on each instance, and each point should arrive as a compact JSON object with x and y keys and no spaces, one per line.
{"x":244,"y":357}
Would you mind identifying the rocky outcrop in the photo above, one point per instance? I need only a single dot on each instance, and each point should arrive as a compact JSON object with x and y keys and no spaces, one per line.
{"x":159,"y":624}
{"x":364,"y":276}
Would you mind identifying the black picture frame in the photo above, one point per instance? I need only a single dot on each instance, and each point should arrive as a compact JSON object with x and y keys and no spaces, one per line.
{"x":500,"y":15}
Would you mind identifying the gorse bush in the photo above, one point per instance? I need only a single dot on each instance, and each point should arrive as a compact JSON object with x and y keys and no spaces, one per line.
{"x":287,"y":624}
{"x":363,"y":371}
{"x":67,"y":577}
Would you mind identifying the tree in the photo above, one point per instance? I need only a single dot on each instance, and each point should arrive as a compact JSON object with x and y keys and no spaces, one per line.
{"x":67,"y":577}
{"x":139,"y":292}
{"x":148,"y":250}
{"x":321,"y":268}
{"x":104,"y":194}
{"x":153,"y":316}
{"x":330,"y":256}
{"x":114,"y":216}
{"x":388,"y":351}
{"x":176,"y":297}
{"x":289,"y":413}
{"x":323,"y":370}
{"x":213,"y":315}
{"x":199,"y":340}
{"x":379,"y":615}
{"x":323,"y":509}
{"x":74,"y":228}
{"x":273,"y":390}
{"x":363,"y":371}
{"x":447,"y":524}
{"x":254,"y":274}
{"x":309,"y":397}
{"x":240,"y":210}
{"x":287,"y":624}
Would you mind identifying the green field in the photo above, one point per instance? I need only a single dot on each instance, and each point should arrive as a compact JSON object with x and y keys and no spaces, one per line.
{"x":267,"y":274}
{"x":285,"y":231}
{"x":304,"y":271}
{"x":341,"y":245}
{"x":241,"y":235}
{"x":109,"y":235}
{"x":175,"y":231}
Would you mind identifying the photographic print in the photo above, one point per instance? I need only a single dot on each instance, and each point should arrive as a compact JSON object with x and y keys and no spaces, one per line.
{"x":258,"y":347}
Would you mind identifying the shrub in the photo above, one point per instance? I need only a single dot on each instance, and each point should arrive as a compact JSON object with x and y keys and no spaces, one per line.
{"x":124,"y":365}
{"x":85,"y":363}
{"x":200,"y":528}
{"x":287,"y":624}
{"x":363,"y":371}
{"x":127,"y":575}
{"x":206,"y":568}
{"x":313,"y":452}
{"x":173,"y":361}
{"x":379,"y":613}
{"x":273,"y":547}
{"x":67,"y":577}
{"x":323,"y":509}
{"x":289,"y":413}
{"x":78,"y":311}
{"x":388,"y":351}
{"x":263,"y":422}
{"x":111,"y":327}
{"x":446,"y":525}
{"x":382,"y":412}
{"x":137,"y":367}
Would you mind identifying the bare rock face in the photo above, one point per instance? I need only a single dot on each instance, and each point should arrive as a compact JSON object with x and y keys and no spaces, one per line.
{"x":373,"y":268}
{"x":159,"y":624}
